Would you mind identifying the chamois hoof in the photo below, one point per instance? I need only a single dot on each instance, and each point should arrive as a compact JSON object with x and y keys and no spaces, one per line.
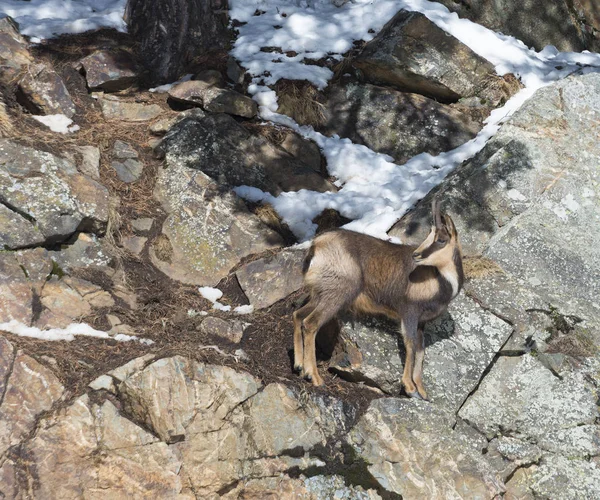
{"x":416,"y":395}
{"x":316,"y":379}
{"x":299,"y":369}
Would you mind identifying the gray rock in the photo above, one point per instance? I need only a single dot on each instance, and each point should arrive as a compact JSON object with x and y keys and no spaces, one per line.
{"x":226,"y":151}
{"x":568,"y":26}
{"x":213,"y":98}
{"x":303,"y":150}
{"x":109,"y":71}
{"x":142,"y":225}
{"x":207,"y":230}
{"x":85,"y":252}
{"x":14,"y":50}
{"x":412,"y":54}
{"x":521,"y":397}
{"x":128,"y":170}
{"x":124,"y":151}
{"x":413,"y":451}
{"x":17,"y":231}
{"x":210,"y":77}
{"x":113,"y":109}
{"x":90,"y":161}
{"x":399,"y":124}
{"x":135,"y":244}
{"x":528,"y":198}
{"x":459,"y":347}
{"x":270,"y":279}
{"x":49,"y":195}
{"x":44,"y":91}
{"x":235,"y":72}
{"x":162,"y":126}
{"x":232,"y":331}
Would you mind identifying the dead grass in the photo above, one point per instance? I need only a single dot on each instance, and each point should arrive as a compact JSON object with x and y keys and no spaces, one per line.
{"x":270,"y":218}
{"x":478,"y":267}
{"x":6,"y":127}
{"x":162,"y":248}
{"x":273,"y":133}
{"x":302,"y":101}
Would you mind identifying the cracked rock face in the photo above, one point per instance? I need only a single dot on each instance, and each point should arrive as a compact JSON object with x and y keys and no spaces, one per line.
{"x":208,"y":229}
{"x":49,"y":199}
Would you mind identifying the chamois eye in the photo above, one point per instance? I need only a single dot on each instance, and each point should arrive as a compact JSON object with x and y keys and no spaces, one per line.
{"x":441,"y":241}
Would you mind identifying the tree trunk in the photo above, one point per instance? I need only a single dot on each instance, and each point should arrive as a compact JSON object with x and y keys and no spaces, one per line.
{"x":171,"y":32}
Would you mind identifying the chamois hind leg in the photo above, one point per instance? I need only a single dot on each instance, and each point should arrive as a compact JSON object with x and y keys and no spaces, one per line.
{"x":408,"y":327}
{"x":419,"y":357}
{"x":322,"y":313}
{"x":299,"y":317}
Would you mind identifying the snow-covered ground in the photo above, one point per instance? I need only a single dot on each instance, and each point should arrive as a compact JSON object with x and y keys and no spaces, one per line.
{"x":41,"y":19}
{"x":375,"y":192}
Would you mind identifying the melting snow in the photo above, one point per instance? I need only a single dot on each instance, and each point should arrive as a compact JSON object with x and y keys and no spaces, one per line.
{"x":57,"y":123}
{"x":41,"y":19}
{"x":375,"y":192}
{"x":69,"y":333}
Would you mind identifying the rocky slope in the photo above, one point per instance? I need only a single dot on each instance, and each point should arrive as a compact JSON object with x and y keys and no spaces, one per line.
{"x":118,"y":224}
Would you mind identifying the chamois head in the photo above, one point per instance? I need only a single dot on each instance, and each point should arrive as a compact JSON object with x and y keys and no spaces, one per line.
{"x":438,"y":248}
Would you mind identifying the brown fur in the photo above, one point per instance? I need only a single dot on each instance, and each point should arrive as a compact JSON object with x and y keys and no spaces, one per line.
{"x":410,"y":285}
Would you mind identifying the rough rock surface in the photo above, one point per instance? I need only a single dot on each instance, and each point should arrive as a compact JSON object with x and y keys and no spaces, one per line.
{"x":399,"y":124}
{"x":412,"y":54}
{"x":48,"y":198}
{"x":460,"y":345}
{"x":114,"y":109}
{"x":14,"y":50}
{"x":282,"y":271}
{"x":109,"y":71}
{"x":569,"y":26}
{"x":537,"y":168}
{"x":126,"y":163}
{"x":44,"y":91}
{"x":413,"y":451}
{"x":226,"y":151}
{"x":207,"y":231}
{"x":214,"y":99}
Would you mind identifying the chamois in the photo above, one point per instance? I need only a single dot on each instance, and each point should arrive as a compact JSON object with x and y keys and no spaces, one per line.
{"x":408,"y":284}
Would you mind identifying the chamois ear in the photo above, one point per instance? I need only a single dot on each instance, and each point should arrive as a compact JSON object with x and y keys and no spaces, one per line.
{"x":437,"y":216}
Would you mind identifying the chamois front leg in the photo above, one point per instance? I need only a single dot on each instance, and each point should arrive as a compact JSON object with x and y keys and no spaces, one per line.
{"x":408,"y":327}
{"x":419,"y":357}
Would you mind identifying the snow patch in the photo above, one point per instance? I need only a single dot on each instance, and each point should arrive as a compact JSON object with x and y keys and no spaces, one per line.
{"x":213,"y":295}
{"x":42,"y":19}
{"x":57,"y":123}
{"x":248,"y":309}
{"x":69,"y":333}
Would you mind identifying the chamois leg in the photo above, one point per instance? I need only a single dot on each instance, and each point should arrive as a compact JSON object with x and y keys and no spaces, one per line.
{"x":315,"y":320}
{"x":299,"y":317}
{"x":419,"y":357}
{"x":409,"y":333}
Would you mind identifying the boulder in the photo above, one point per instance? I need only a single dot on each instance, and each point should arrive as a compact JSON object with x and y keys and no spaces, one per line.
{"x":85,"y":251}
{"x":126,"y":163}
{"x":108,"y":71}
{"x":110,"y":454}
{"x":14,"y":50}
{"x":399,"y":124}
{"x":44,"y":91}
{"x":569,"y":26}
{"x":31,"y":389}
{"x":459,"y":346}
{"x":213,"y":98}
{"x":208,"y":229}
{"x":413,"y":54}
{"x":527,"y":199}
{"x":48,"y":196}
{"x":231,"y":331}
{"x":270,"y":279}
{"x":412,"y":450}
{"x":90,"y":161}
{"x":523,"y":398}
{"x":115,"y":109}
{"x":228,"y":152}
